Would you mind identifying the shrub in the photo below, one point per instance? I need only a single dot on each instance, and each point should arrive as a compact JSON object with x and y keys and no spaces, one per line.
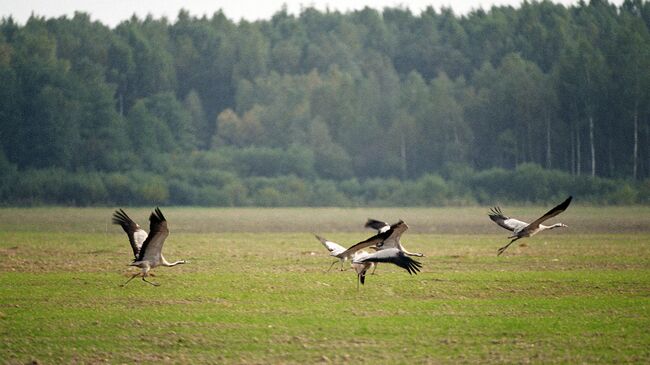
{"x":267,"y":197}
{"x":83,"y":189}
{"x":325,"y":193}
{"x":431,"y":190}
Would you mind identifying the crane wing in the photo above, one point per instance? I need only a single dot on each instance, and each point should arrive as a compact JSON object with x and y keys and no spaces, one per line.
{"x":382,"y":240}
{"x":136,"y":235}
{"x":552,"y":213}
{"x":393,"y":256}
{"x":508,"y":223}
{"x":332,"y":247}
{"x":378,"y":225}
{"x":158,"y":232}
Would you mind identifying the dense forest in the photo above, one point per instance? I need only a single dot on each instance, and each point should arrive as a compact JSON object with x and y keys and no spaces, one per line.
{"x":382,"y":107}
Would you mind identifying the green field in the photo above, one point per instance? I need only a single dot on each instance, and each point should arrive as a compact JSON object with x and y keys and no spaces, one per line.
{"x":256,"y":290}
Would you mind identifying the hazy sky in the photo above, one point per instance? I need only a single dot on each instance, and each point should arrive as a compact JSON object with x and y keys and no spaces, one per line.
{"x":111,"y":12}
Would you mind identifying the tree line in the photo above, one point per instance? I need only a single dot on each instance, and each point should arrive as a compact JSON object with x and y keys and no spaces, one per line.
{"x":205,"y":110}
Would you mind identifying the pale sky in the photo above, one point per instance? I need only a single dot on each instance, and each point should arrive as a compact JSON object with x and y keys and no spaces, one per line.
{"x":114,"y":11}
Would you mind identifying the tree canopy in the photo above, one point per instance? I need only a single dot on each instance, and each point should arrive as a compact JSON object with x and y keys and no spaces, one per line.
{"x":324,"y":99}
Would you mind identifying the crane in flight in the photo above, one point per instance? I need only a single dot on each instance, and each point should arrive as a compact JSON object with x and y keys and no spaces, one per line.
{"x":335,"y":249}
{"x":147,"y":248}
{"x":389,"y":249}
{"x":522,"y":229}
{"x":382,"y":227}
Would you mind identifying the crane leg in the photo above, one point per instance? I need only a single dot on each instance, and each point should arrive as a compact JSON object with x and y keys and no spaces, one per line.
{"x":500,"y":251}
{"x":374,"y":269}
{"x":131,"y":278}
{"x":332,"y":265}
{"x":147,"y":281}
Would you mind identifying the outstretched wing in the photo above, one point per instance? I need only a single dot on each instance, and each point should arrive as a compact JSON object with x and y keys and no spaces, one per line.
{"x":136,"y":234}
{"x":391,"y":235}
{"x":552,"y":213}
{"x":377,"y":225}
{"x":393,"y":256}
{"x":158,"y":232}
{"x":508,"y":223}
{"x":332,"y":247}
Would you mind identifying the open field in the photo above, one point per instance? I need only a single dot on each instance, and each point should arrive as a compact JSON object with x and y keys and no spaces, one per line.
{"x":255,"y":290}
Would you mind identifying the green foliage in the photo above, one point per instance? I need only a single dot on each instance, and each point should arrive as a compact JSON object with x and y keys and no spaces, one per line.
{"x":8,"y":175}
{"x":264,"y":161}
{"x":364,"y":107}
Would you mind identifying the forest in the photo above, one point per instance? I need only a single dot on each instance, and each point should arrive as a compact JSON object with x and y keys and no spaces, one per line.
{"x":369,"y":107}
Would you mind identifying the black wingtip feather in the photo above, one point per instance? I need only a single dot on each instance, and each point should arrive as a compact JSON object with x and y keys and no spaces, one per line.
{"x":157,"y":216}
{"x":119,"y":217}
{"x":495,"y":212}
{"x":375,"y":224}
{"x":412,"y":266}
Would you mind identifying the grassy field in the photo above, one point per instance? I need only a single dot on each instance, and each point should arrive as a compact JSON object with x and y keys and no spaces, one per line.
{"x":256,"y":290}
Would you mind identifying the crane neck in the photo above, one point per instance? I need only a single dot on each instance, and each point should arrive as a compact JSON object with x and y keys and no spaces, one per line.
{"x":169,"y":264}
{"x":408,"y":253}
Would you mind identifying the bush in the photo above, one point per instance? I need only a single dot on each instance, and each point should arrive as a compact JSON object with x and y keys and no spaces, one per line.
{"x":211,"y":196}
{"x":182,"y":193}
{"x":236,"y":193}
{"x":491,"y":185}
{"x":267,"y":197}
{"x":325,"y":194}
{"x":212,"y":186}
{"x":644,"y":192}
{"x":83,"y":189}
{"x":624,"y":194}
{"x":120,"y":189}
{"x":380,"y":191}
{"x":42,"y":186}
{"x":153,"y":190}
{"x":431,"y":190}
{"x":8,"y":177}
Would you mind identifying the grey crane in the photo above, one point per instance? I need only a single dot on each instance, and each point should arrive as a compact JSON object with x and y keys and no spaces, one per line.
{"x":147,"y":248}
{"x":382,"y":227}
{"x":389,"y":249}
{"x":335,"y":249}
{"x":522,"y":229}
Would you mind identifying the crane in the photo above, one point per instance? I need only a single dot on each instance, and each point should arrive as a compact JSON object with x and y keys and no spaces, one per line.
{"x":522,"y":229}
{"x":389,"y":249}
{"x":334,"y":249}
{"x":148,"y":253}
{"x":381,"y":227}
